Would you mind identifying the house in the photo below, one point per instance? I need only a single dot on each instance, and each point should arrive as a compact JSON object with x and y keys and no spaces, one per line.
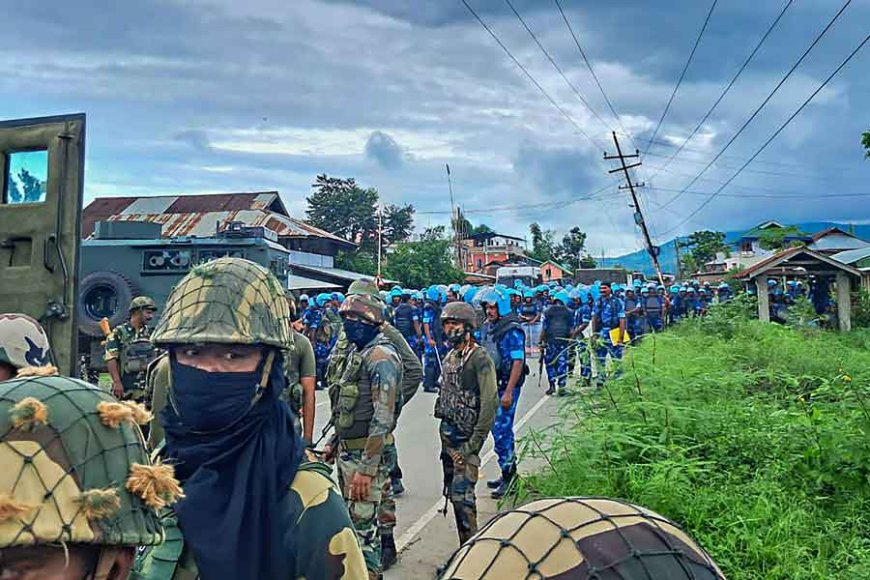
{"x":860,"y":259}
{"x":479,"y":250}
{"x":553,"y":271}
{"x":834,"y":240}
{"x":311,"y":251}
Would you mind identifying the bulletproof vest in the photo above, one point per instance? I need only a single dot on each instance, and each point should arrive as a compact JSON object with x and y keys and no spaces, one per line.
{"x":435,"y":326}
{"x":559,"y":320}
{"x":528,"y":310}
{"x":136,"y":355}
{"x":412,"y":370}
{"x":402,"y":319}
{"x":653,"y":305}
{"x":492,"y":335}
{"x":630,"y":304}
{"x":458,"y":402}
{"x":350,"y":391}
{"x":613,"y":321}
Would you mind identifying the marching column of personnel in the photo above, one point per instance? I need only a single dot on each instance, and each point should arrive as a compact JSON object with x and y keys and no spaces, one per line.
{"x":233,"y":488}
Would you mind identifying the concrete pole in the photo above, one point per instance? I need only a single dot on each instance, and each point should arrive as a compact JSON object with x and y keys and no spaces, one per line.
{"x":844,"y":301}
{"x":763,"y":298}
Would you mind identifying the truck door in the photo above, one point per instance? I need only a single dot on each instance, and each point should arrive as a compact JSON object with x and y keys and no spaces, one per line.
{"x":42,"y":171}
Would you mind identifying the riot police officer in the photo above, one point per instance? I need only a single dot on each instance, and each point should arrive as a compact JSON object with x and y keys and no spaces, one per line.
{"x":129,"y":351}
{"x":555,"y":342}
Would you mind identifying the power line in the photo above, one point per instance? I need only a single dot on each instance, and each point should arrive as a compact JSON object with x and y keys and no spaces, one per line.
{"x":529,"y":75}
{"x":730,"y":84}
{"x":773,"y":136}
{"x":556,"y":66}
{"x":546,"y":204}
{"x":783,"y":195}
{"x":685,"y":68}
{"x":766,"y":100}
{"x":591,"y":69}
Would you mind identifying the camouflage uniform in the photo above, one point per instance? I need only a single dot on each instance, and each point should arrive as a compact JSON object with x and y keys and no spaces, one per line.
{"x":581,"y":538}
{"x":75,"y":470}
{"x":466,"y":405}
{"x":364,"y":387}
{"x":234,"y":301}
{"x":298,"y":364}
{"x":132,"y":349}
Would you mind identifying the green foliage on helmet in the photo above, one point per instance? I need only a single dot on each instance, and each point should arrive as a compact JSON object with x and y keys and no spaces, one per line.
{"x":364,"y":286}
{"x":75,"y":467}
{"x":23,"y":342}
{"x":365,"y":306}
{"x":460,"y":311}
{"x":226,"y":301}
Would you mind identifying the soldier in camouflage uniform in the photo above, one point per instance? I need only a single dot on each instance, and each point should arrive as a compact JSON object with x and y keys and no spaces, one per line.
{"x":301,"y":378}
{"x":129,"y":351}
{"x":364,"y":387}
{"x":78,"y":493}
{"x":466,"y":405}
{"x":581,"y":538}
{"x":254,"y":507}
{"x":23,"y":343}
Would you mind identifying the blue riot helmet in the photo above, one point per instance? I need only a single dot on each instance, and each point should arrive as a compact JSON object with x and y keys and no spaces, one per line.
{"x":644,"y":291}
{"x":418,"y":295}
{"x":777,"y":292}
{"x":690,"y":290}
{"x":675,"y":289}
{"x":584,"y":296}
{"x":322,"y":299}
{"x":396,"y":292}
{"x":397,"y":287}
{"x":530,"y":293}
{"x":702,"y":291}
{"x":771,"y":283}
{"x":724,"y":286}
{"x":407,"y":292}
{"x":637,"y":283}
{"x":468,"y":295}
{"x":500,"y":298}
{"x":595,"y":290}
{"x":433,"y":294}
{"x":454,"y":288}
{"x":562,"y":296}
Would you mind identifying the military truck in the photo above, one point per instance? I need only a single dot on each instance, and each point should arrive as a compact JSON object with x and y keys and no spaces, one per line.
{"x":123,"y":259}
{"x":42,"y":170}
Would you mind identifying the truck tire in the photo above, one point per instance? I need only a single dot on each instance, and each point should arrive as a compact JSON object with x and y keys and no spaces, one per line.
{"x":105,"y":283}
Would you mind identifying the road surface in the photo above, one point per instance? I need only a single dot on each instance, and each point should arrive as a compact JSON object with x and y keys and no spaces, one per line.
{"x":424,"y":537}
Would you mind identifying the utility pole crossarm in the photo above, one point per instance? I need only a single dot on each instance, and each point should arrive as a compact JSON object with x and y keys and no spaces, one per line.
{"x":631,"y":186}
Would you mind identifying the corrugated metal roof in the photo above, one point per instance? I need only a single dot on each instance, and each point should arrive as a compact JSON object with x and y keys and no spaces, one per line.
{"x":785,"y":255}
{"x":852,"y":256}
{"x":295,"y":282}
{"x":339,"y":273}
{"x":199,"y":215}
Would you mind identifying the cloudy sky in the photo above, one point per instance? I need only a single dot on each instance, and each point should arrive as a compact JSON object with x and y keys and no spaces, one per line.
{"x":221,"y":95}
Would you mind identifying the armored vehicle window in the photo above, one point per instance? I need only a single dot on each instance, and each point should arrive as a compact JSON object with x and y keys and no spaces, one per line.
{"x":26,"y":177}
{"x":166,"y":261}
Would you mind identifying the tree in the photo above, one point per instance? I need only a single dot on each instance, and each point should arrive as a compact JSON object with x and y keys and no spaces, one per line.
{"x":865,"y":141}
{"x":702,"y":246}
{"x":774,"y":238}
{"x":358,"y":261}
{"x":588,"y":261}
{"x":482,"y":229}
{"x":569,"y":251}
{"x":343,"y":208}
{"x":398,"y":223}
{"x":543,"y":246}
{"x":429,"y":261}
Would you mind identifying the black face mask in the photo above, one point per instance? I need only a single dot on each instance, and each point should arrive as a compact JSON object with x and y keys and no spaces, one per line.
{"x":359,"y":333}
{"x":456,"y":336}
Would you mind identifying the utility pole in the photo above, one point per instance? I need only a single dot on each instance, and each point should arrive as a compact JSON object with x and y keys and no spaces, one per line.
{"x":455,"y":215}
{"x":679,"y":259}
{"x":638,"y":215}
{"x":380,"y":241}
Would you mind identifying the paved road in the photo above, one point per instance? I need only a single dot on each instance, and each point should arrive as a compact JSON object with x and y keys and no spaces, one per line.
{"x":427,"y":537}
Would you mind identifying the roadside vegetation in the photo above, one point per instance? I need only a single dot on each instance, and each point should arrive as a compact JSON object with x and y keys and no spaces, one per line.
{"x":752,"y":436}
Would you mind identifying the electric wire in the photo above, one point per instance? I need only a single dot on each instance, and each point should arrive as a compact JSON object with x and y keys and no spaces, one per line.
{"x":683,"y":73}
{"x":770,"y":139}
{"x":766,"y":100}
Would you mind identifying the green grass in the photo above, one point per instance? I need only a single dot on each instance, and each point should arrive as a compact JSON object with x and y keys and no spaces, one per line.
{"x":752,"y":436}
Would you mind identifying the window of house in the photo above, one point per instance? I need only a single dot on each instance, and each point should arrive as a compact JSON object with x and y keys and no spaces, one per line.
{"x":746,"y":246}
{"x":26,"y":177}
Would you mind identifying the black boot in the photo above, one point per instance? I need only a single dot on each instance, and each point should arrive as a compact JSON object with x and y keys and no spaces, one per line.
{"x":494,"y":483}
{"x":388,"y":551}
{"x":507,"y":477}
{"x":551,"y":390}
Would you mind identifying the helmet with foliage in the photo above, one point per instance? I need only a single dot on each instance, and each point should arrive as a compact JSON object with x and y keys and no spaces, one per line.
{"x":23,"y":342}
{"x":581,"y":538}
{"x":364,"y":286}
{"x":460,"y":311}
{"x":365,"y":306}
{"x":226,"y":301}
{"x":142,"y":303}
{"x":75,"y":467}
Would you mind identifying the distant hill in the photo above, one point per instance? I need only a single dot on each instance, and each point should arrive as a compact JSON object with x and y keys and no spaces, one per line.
{"x":639,"y":261}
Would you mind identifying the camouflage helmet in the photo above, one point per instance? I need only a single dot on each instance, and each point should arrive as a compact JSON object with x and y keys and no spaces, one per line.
{"x":142,"y":303}
{"x":364,"y":286}
{"x":365,"y":306}
{"x":460,"y":311}
{"x":23,"y":342}
{"x":580,"y":537}
{"x":226,"y":301}
{"x":75,"y":467}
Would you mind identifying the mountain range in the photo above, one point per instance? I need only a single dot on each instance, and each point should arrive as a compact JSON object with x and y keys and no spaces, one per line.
{"x":639,"y":261}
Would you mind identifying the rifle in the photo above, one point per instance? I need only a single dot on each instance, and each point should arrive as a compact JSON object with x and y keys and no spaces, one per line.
{"x":448,"y":480}
{"x":540,"y":368}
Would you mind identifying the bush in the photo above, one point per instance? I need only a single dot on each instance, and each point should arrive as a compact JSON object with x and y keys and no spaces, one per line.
{"x":754,"y":439}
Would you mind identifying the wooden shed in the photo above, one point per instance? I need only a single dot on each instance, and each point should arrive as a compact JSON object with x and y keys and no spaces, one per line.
{"x":801,"y":263}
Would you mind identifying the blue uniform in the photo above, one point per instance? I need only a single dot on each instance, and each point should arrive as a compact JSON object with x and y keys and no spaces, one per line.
{"x":557,"y":325}
{"x":608,"y":313}
{"x":582,"y":317}
{"x":504,"y":350}
{"x":433,"y":354}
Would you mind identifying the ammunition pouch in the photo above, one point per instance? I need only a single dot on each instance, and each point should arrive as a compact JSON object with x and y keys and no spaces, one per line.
{"x":344,"y":390}
{"x":136,"y":356}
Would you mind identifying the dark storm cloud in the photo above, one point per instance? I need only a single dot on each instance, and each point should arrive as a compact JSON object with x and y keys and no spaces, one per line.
{"x":383,"y":150}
